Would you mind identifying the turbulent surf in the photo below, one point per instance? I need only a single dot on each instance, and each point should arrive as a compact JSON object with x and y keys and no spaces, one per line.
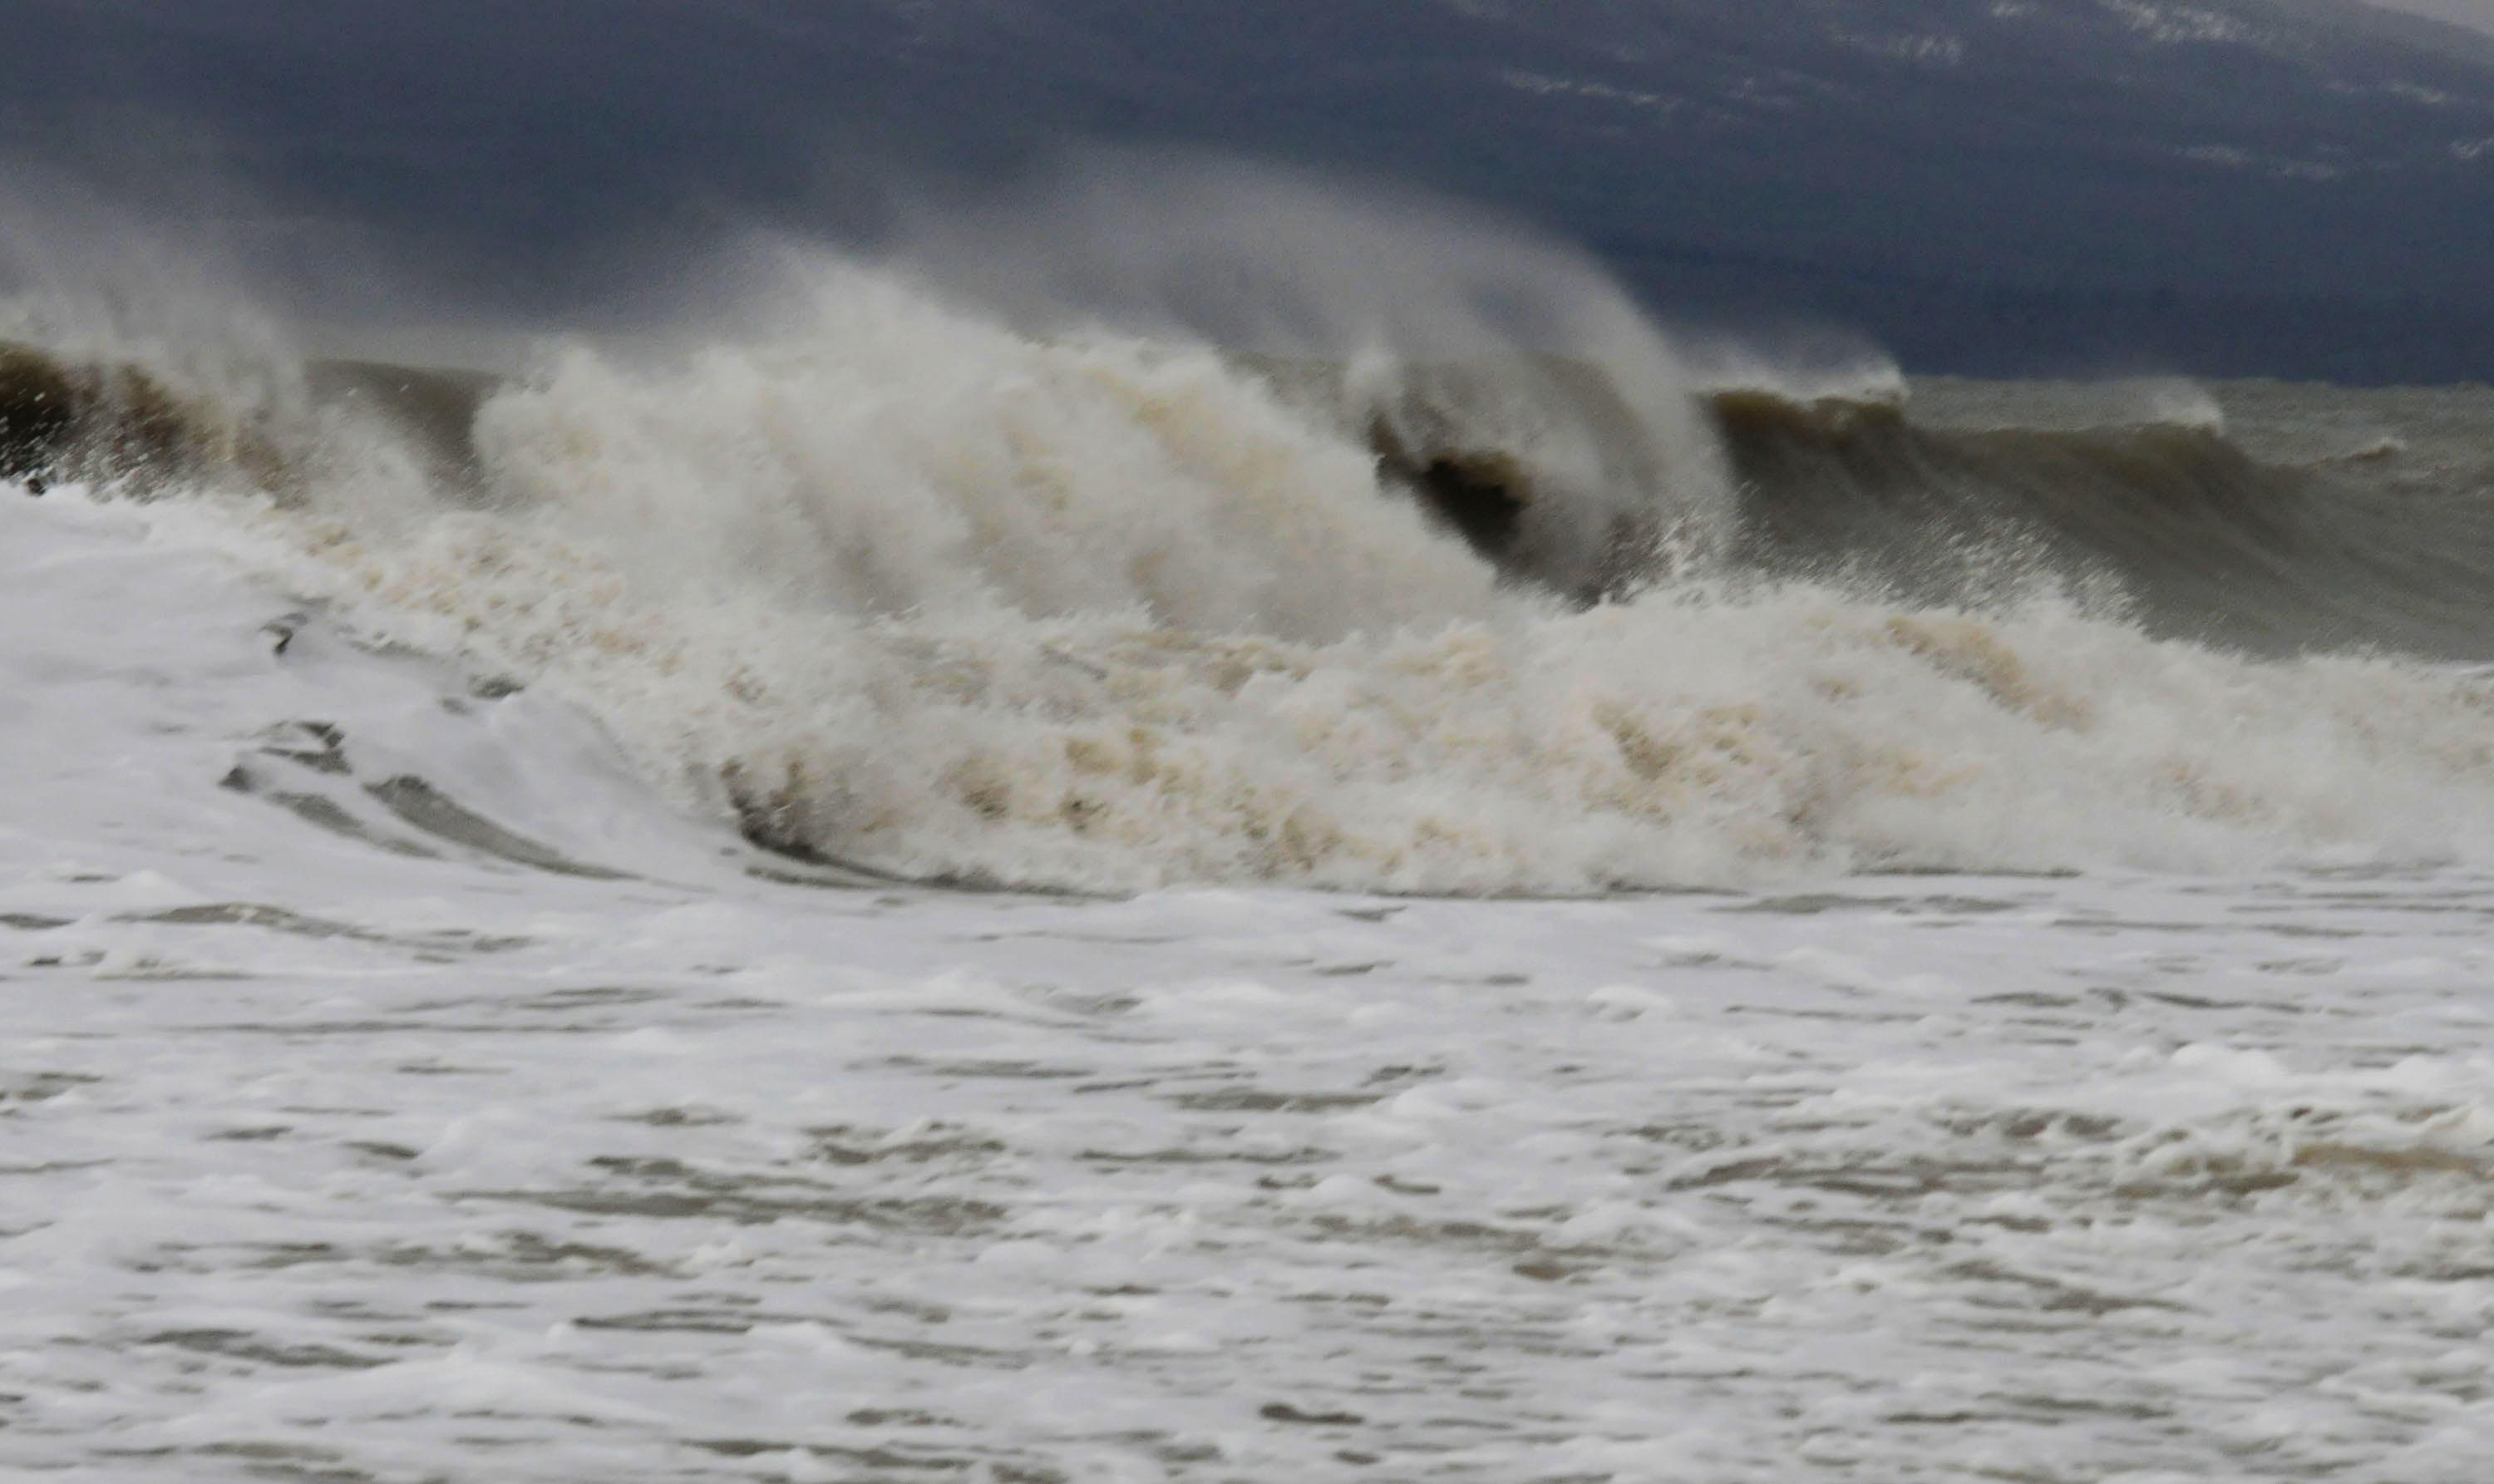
{"x":907,"y":584}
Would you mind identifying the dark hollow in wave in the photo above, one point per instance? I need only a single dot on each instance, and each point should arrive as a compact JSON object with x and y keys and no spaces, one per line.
{"x":1481,"y":496}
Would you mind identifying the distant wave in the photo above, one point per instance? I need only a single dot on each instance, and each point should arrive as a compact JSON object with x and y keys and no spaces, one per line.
{"x":2206,"y":542}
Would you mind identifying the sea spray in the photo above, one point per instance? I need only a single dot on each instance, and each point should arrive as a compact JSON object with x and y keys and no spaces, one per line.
{"x":961,"y":589}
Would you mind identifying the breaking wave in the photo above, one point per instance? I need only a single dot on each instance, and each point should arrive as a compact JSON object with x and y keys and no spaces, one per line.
{"x":901,"y":584}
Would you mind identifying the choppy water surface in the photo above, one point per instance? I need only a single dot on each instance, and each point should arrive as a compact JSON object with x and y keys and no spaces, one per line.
{"x":1894,"y":1178}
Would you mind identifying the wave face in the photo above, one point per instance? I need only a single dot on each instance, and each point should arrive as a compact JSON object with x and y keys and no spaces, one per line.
{"x":899,"y":585}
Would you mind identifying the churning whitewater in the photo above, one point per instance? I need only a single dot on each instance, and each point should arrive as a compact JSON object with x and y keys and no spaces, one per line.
{"x":903,"y":585}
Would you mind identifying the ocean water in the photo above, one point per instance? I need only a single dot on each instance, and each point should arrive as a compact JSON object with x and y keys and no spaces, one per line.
{"x":891,"y":894}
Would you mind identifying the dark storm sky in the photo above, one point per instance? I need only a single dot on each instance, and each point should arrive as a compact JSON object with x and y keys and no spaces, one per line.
{"x":2291,"y":185}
